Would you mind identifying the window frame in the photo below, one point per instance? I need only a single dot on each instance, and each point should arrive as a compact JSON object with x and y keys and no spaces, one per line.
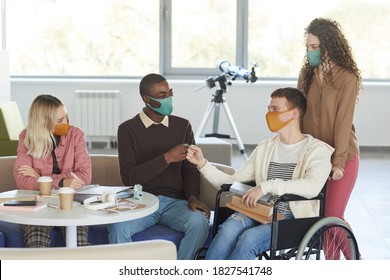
{"x":166,"y":44}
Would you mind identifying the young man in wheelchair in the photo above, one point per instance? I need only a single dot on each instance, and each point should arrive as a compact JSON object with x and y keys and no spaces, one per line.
{"x":290,"y":162}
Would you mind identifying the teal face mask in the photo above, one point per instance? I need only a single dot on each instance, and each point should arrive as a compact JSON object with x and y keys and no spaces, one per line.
{"x":314,"y":57}
{"x":165,"y":108}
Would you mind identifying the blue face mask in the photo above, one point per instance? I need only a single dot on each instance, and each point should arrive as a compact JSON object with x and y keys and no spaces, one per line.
{"x":314,"y":57}
{"x":165,"y":108}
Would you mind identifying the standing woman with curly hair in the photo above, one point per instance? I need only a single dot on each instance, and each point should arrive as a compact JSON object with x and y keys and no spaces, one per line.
{"x":331,"y":82}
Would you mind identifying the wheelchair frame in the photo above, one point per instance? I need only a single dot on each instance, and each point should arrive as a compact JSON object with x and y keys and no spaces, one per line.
{"x":307,"y":238}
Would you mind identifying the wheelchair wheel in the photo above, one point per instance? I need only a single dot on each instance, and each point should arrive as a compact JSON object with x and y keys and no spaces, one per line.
{"x":329,"y":239}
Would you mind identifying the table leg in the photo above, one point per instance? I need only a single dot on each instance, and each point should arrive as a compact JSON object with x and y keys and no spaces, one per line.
{"x":71,"y":236}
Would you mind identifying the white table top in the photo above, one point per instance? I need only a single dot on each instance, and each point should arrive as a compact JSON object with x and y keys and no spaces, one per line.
{"x":78,"y":216}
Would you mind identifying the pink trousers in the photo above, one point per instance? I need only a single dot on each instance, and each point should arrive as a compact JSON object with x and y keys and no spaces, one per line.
{"x":338,"y":192}
{"x":337,"y":196}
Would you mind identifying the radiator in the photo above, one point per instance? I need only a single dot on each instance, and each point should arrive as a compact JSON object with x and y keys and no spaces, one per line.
{"x":98,"y":114}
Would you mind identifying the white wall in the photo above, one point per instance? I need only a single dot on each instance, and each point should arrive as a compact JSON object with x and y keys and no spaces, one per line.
{"x":247,"y":102}
{"x":5,"y":86}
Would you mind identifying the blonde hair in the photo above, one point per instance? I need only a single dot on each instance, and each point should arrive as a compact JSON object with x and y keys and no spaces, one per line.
{"x":42,"y":117}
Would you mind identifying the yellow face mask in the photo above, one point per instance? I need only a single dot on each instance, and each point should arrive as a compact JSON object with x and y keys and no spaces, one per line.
{"x":61,"y":129}
{"x":274,"y":122}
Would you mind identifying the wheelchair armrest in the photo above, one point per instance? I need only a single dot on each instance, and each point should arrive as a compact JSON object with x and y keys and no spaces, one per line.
{"x":225,"y":187}
{"x":294,"y":197}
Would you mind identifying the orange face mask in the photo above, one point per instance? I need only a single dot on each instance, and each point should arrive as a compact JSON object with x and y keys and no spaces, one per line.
{"x":61,"y":129}
{"x":274,"y":122}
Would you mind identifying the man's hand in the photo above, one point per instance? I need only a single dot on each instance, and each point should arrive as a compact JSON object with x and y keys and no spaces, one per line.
{"x":194,"y":204}
{"x":195,"y":156}
{"x":251,"y":197}
{"x":176,"y":154}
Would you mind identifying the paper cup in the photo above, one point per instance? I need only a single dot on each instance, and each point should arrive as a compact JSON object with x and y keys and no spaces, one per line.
{"x":66,"y":198}
{"x":44,"y":185}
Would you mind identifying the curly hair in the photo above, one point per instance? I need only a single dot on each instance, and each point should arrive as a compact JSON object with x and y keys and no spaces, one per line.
{"x":334,"y":46}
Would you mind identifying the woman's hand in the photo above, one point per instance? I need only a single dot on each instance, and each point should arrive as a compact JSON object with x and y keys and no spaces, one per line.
{"x":337,"y":173}
{"x":195,"y":156}
{"x":28,"y":171}
{"x":74,"y":183}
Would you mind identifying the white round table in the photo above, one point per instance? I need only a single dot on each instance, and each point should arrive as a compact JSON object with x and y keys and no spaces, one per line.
{"x":78,"y":216}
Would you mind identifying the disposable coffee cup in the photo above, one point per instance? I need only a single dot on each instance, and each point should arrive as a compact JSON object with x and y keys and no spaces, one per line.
{"x":66,"y":198}
{"x":44,"y":185}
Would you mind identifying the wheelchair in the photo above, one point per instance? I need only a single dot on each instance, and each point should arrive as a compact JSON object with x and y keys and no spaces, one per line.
{"x":313,"y":238}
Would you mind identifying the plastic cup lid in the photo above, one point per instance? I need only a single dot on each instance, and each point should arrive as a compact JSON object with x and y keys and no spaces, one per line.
{"x":45,"y":179}
{"x":66,"y":190}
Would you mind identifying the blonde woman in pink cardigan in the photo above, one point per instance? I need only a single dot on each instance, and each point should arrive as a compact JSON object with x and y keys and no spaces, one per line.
{"x":50,"y":146}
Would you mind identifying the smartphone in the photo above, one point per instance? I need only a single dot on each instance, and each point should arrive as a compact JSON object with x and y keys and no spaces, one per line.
{"x":20,"y":203}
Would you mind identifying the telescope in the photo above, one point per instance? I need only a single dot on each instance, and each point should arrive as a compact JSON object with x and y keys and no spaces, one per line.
{"x":219,"y":100}
{"x":236,"y":71}
{"x":232,"y":71}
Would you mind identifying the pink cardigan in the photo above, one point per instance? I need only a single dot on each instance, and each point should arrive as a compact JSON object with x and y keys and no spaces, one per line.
{"x":72,"y":156}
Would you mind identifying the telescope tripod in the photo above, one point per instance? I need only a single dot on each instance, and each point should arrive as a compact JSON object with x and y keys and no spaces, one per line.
{"x":215,"y":105}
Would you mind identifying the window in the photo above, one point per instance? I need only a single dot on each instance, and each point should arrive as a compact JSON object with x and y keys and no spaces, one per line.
{"x":276,"y":30}
{"x":83,"y":37}
{"x":184,"y":38}
{"x":202,"y":32}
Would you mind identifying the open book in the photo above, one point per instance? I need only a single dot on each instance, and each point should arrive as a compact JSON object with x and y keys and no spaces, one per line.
{"x":94,"y":190}
{"x":240,"y":189}
{"x":264,"y":207}
{"x":261,"y":213}
{"x":97,"y":189}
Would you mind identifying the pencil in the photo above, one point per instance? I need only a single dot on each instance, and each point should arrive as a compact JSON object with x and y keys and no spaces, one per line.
{"x":74,"y":176}
{"x":53,"y":206}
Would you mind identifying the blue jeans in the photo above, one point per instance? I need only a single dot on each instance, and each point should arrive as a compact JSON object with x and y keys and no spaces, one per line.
{"x":240,"y":238}
{"x":173,"y":213}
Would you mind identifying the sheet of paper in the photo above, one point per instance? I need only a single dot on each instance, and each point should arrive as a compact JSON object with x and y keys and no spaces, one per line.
{"x":97,"y":189}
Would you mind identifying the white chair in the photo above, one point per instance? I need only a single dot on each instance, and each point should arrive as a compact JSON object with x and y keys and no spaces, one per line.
{"x":142,"y":250}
